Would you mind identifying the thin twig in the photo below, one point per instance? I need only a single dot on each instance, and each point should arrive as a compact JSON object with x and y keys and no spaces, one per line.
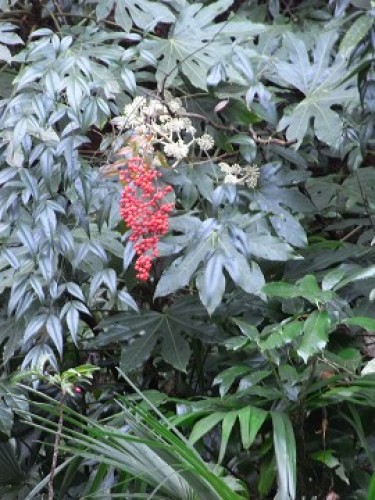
{"x":56,"y":446}
{"x":219,"y":126}
{"x":269,"y":140}
{"x":352,"y":232}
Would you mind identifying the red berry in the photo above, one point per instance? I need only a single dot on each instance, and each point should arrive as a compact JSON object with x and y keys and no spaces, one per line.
{"x":142,"y":209}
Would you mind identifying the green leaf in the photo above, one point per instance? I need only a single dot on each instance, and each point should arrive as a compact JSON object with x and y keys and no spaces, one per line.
{"x":285,"y":452}
{"x":175,"y":349}
{"x":307,"y":288}
{"x":363,"y":322}
{"x":268,"y":247}
{"x":226,"y":429}
{"x":282,"y":335}
{"x":252,"y":379}
{"x":145,"y":14}
{"x":280,"y":289}
{"x":226,"y":378}
{"x":185,"y":317}
{"x":332,"y":278}
{"x":6,"y":419}
{"x":266,"y":477}
{"x":205,"y":425}
{"x":251,"y":420}
{"x":310,"y":290}
{"x":238,"y":112}
{"x":248,"y":330}
{"x":315,"y":334}
{"x":5,"y":54}
{"x":371,"y":488}
{"x":246,"y":275}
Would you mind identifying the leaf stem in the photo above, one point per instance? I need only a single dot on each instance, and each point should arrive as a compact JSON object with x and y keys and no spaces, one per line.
{"x":56,"y":445}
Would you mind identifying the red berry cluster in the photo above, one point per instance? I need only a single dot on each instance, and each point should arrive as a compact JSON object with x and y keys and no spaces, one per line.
{"x":143,"y":211}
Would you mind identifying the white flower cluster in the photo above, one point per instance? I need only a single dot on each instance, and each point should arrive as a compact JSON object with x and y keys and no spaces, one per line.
{"x":235,"y":174}
{"x":165,"y":125}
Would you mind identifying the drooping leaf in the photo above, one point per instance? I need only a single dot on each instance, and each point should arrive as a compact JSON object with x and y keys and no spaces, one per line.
{"x":227,"y":377}
{"x":211,"y":283}
{"x":285,"y":452}
{"x":181,"y":270}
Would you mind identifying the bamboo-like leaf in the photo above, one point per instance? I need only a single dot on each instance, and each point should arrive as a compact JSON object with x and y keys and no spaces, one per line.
{"x":226,"y":430}
{"x":251,"y":420}
{"x":285,"y":452}
{"x":205,"y":425}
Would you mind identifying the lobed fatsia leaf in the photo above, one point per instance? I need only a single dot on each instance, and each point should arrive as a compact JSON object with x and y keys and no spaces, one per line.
{"x":186,"y":48}
{"x":175,"y":348}
{"x":319,"y":81}
{"x":137,"y":352}
{"x":143,"y":13}
{"x":139,"y":333}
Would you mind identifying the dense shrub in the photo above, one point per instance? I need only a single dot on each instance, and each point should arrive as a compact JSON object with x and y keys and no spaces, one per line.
{"x":187,"y":194}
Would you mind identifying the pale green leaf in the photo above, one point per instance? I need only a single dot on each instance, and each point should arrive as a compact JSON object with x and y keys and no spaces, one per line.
{"x":356,"y":32}
{"x":285,"y":452}
{"x":320,"y":82}
{"x":315,"y":334}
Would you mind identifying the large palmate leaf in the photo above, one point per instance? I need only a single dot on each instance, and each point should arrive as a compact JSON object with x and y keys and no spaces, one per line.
{"x":195,"y":43}
{"x":141,"y":332}
{"x":319,"y":81}
{"x":143,"y":13}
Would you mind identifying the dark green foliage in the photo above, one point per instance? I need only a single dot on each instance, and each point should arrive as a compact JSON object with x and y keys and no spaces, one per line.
{"x":253,"y":338}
